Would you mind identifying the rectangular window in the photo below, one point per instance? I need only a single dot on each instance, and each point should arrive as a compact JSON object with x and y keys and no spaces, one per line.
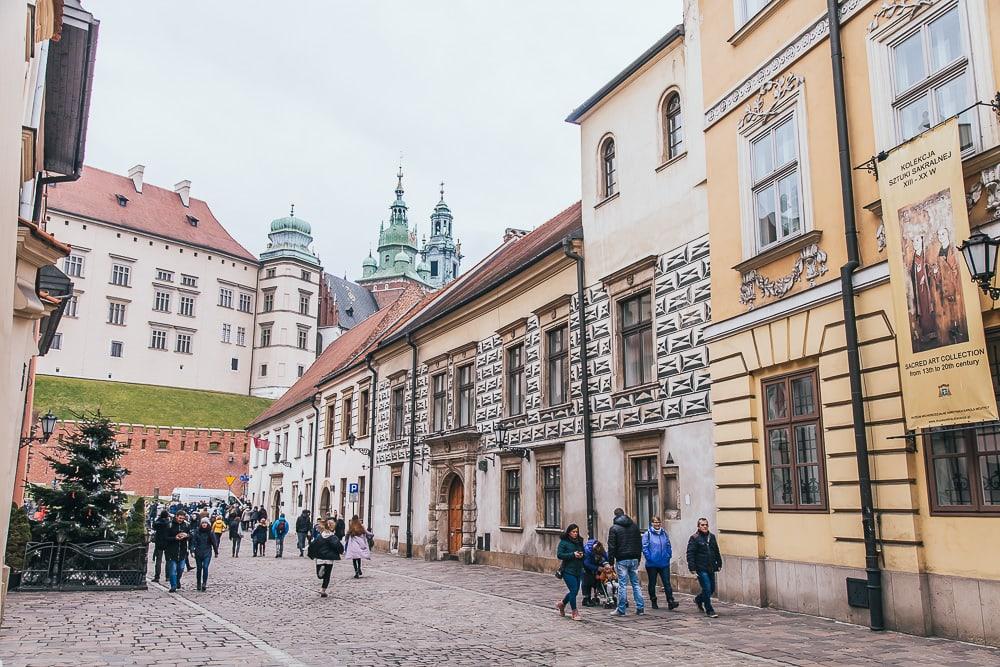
{"x":298,"y":444}
{"x":189,"y":281}
{"x":636,"y":318}
{"x":466,"y":407}
{"x":227,"y":330}
{"x":116,"y":348}
{"x":302,"y":340}
{"x":164,"y":276}
{"x":241,"y":336}
{"x":309,"y":442}
{"x":234,"y":364}
{"x":186,"y":305}
{"x":306,"y":276}
{"x":303,"y":303}
{"x":56,"y":343}
{"x":557,"y":378}
{"x":512,"y":497}
{"x":73,"y":266}
{"x":183,"y":343}
{"x":72,"y":306}
{"x":645,"y":481}
{"x":747,"y":9}
{"x":158,"y":340}
{"x":964,"y":465}
{"x":331,"y":414}
{"x":515,"y":380}
{"x":777,"y":206}
{"x":162,"y":444}
{"x":396,"y":414}
{"x":439,"y":409}
{"x":116,"y":313}
{"x":263,"y":370}
{"x":268,"y":301}
{"x":265,"y":336}
{"x":161,"y":302}
{"x":225,"y":297}
{"x":794,"y":443}
{"x":270,"y":273}
{"x":932,"y":77}
{"x":364,"y":412}
{"x":346,"y":416}
{"x":245,"y":303}
{"x":551,"y":484}
{"x":434,"y":268}
{"x":120,"y":274}
{"x":396,"y":490}
{"x":302,"y":369}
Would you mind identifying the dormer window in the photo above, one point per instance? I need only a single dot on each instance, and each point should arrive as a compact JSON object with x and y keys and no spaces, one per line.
{"x":350,"y":311}
{"x":193,"y":221}
{"x":122,"y":200}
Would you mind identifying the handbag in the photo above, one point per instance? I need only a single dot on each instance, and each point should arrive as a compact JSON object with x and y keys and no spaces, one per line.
{"x":559,"y":571}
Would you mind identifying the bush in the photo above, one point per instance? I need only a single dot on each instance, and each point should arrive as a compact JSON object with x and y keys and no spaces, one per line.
{"x":18,"y":536}
{"x":135,"y":528}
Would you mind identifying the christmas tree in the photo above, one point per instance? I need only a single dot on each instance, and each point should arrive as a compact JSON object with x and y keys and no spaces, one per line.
{"x":85,"y":503}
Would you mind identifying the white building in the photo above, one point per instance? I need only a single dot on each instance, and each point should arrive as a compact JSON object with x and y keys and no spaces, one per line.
{"x":162,"y":293}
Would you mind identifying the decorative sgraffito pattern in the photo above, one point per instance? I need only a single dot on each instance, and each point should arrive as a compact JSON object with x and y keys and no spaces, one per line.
{"x":681,"y":302}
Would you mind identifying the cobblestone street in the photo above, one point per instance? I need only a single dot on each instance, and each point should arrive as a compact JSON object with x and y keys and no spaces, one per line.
{"x":266,"y":611}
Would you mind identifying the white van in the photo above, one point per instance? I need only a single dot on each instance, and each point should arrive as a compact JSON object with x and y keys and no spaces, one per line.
{"x":189,"y":495}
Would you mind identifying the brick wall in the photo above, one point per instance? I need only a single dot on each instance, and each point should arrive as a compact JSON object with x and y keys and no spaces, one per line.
{"x":163,"y":457}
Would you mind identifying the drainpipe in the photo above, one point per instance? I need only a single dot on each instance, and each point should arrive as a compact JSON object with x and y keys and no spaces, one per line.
{"x":588,"y":456}
{"x":315,"y":448}
{"x":413,"y":446}
{"x":872,"y":568}
{"x":371,"y":436}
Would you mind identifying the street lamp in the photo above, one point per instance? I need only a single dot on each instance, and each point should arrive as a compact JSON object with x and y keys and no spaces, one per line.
{"x":503,"y":437}
{"x":48,"y":421}
{"x":351,"y":439}
{"x":980,"y":253}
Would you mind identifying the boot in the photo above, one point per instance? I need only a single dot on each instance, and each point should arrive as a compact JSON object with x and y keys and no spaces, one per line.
{"x":652,"y":601}
{"x":673,"y":604}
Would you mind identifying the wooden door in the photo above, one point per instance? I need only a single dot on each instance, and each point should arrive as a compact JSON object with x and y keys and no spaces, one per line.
{"x":456,"y":492}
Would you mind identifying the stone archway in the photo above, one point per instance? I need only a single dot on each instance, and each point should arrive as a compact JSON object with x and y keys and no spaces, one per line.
{"x":276,"y":501}
{"x":324,"y":502}
{"x":451,"y":529}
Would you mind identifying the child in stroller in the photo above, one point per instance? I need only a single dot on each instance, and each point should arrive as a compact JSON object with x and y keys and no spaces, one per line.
{"x":606,"y":587}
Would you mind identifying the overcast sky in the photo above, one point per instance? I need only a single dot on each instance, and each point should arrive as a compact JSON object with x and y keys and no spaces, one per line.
{"x":261,"y":104}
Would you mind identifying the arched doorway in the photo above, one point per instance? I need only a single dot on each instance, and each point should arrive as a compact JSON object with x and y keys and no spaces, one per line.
{"x":276,"y":504}
{"x":456,"y":494}
{"x":324,"y":502}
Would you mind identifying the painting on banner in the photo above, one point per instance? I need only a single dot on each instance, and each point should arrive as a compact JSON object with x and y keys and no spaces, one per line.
{"x":940,"y":339}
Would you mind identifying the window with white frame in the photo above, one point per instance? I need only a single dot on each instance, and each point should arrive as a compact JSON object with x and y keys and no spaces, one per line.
{"x":302,"y":340}
{"x":241,"y":336}
{"x":932,"y":77}
{"x":439,"y":402}
{"x":158,"y":340}
{"x":120,"y":274}
{"x":56,"y":343}
{"x":183,"y":343}
{"x":265,"y":336}
{"x":116,"y":313}
{"x":673,"y":126}
{"x":189,"y":281}
{"x":609,"y":177}
{"x":225,"y":297}
{"x":747,"y":9}
{"x":186,"y":305}
{"x":72,"y":306}
{"x":227,"y":331}
{"x":304,"y":298}
{"x":161,"y":302}
{"x":776,"y":183}
{"x":245,"y":303}
{"x":73,"y":266}
{"x":268,"y":300}
{"x":116,"y":348}
{"x":165,"y":276}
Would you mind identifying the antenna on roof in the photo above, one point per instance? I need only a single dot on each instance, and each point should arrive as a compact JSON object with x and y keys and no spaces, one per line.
{"x":292,"y":214}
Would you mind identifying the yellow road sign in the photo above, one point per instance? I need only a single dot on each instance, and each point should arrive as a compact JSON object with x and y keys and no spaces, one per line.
{"x":230,"y":479}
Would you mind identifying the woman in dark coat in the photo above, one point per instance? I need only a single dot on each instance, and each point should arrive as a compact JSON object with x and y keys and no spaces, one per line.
{"x":324,"y":549}
{"x":259,"y":538}
{"x":570,"y":552}
{"x":204,"y":542}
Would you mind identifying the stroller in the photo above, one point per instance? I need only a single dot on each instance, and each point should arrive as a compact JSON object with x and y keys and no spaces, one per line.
{"x":606,"y":591}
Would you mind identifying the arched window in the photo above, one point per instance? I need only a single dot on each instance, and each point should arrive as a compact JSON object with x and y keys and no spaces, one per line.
{"x":673,"y":126}
{"x":608,"y":171}
{"x":326,"y":466}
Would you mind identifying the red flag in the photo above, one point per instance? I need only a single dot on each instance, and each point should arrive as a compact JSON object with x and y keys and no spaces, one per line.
{"x":261,"y":443}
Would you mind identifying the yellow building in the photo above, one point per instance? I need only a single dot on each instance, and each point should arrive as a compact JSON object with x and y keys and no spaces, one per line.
{"x":790,"y":522}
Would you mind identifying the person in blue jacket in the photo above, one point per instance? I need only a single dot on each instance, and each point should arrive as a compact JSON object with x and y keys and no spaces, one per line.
{"x":278,"y":531}
{"x":657,"y":552}
{"x":594,"y":557}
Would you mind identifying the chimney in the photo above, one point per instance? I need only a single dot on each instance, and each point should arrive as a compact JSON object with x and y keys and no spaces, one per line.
{"x":510,"y":234}
{"x":135,"y":173}
{"x":184,"y":190}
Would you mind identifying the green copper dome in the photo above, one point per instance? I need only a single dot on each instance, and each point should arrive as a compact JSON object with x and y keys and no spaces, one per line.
{"x":291,"y":223}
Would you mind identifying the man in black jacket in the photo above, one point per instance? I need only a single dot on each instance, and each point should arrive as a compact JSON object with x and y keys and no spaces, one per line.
{"x":303,"y":528}
{"x":625,"y":551}
{"x":175,"y":549}
{"x":704,"y":559}
{"x":160,"y":526}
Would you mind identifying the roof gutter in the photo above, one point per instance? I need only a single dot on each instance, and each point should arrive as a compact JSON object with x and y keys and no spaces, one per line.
{"x":371,"y":434}
{"x":315,"y":447}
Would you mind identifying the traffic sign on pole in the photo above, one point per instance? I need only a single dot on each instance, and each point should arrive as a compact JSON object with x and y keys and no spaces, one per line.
{"x":230,"y":479}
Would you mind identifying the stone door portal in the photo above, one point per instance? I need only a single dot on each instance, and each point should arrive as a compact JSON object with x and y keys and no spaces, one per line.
{"x":456,"y":494}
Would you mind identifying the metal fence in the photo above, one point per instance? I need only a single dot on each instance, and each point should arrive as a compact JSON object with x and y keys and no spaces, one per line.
{"x":100,"y":565}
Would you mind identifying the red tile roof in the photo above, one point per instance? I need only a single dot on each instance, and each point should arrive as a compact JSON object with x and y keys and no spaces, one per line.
{"x":155,"y":210}
{"x":503,"y":263}
{"x":348,"y":349}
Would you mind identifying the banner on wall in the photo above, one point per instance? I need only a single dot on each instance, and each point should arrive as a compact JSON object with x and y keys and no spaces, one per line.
{"x":944,"y":367}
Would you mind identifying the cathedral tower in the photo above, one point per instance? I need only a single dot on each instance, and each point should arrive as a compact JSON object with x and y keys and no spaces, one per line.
{"x":441,"y":253}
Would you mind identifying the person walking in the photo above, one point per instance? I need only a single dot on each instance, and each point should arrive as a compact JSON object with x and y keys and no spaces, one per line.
{"x":704,"y":560}
{"x":259,"y":538}
{"x":160,"y":527}
{"x":324,"y":550}
{"x":340,"y":527}
{"x":594,"y":557}
{"x":657,"y":552}
{"x":204,"y":542}
{"x":302,"y":527}
{"x":236,"y":533}
{"x":218,"y":527}
{"x":278,"y":531}
{"x":570,"y":554}
{"x":359,"y":541}
{"x":246,"y":518}
{"x":624,"y":552}
{"x":175,"y":549}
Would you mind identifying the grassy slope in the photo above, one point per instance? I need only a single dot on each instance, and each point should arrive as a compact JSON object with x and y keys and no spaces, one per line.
{"x":146,"y":404}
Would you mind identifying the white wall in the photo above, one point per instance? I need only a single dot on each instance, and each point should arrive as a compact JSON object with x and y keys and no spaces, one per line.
{"x":86,"y":340}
